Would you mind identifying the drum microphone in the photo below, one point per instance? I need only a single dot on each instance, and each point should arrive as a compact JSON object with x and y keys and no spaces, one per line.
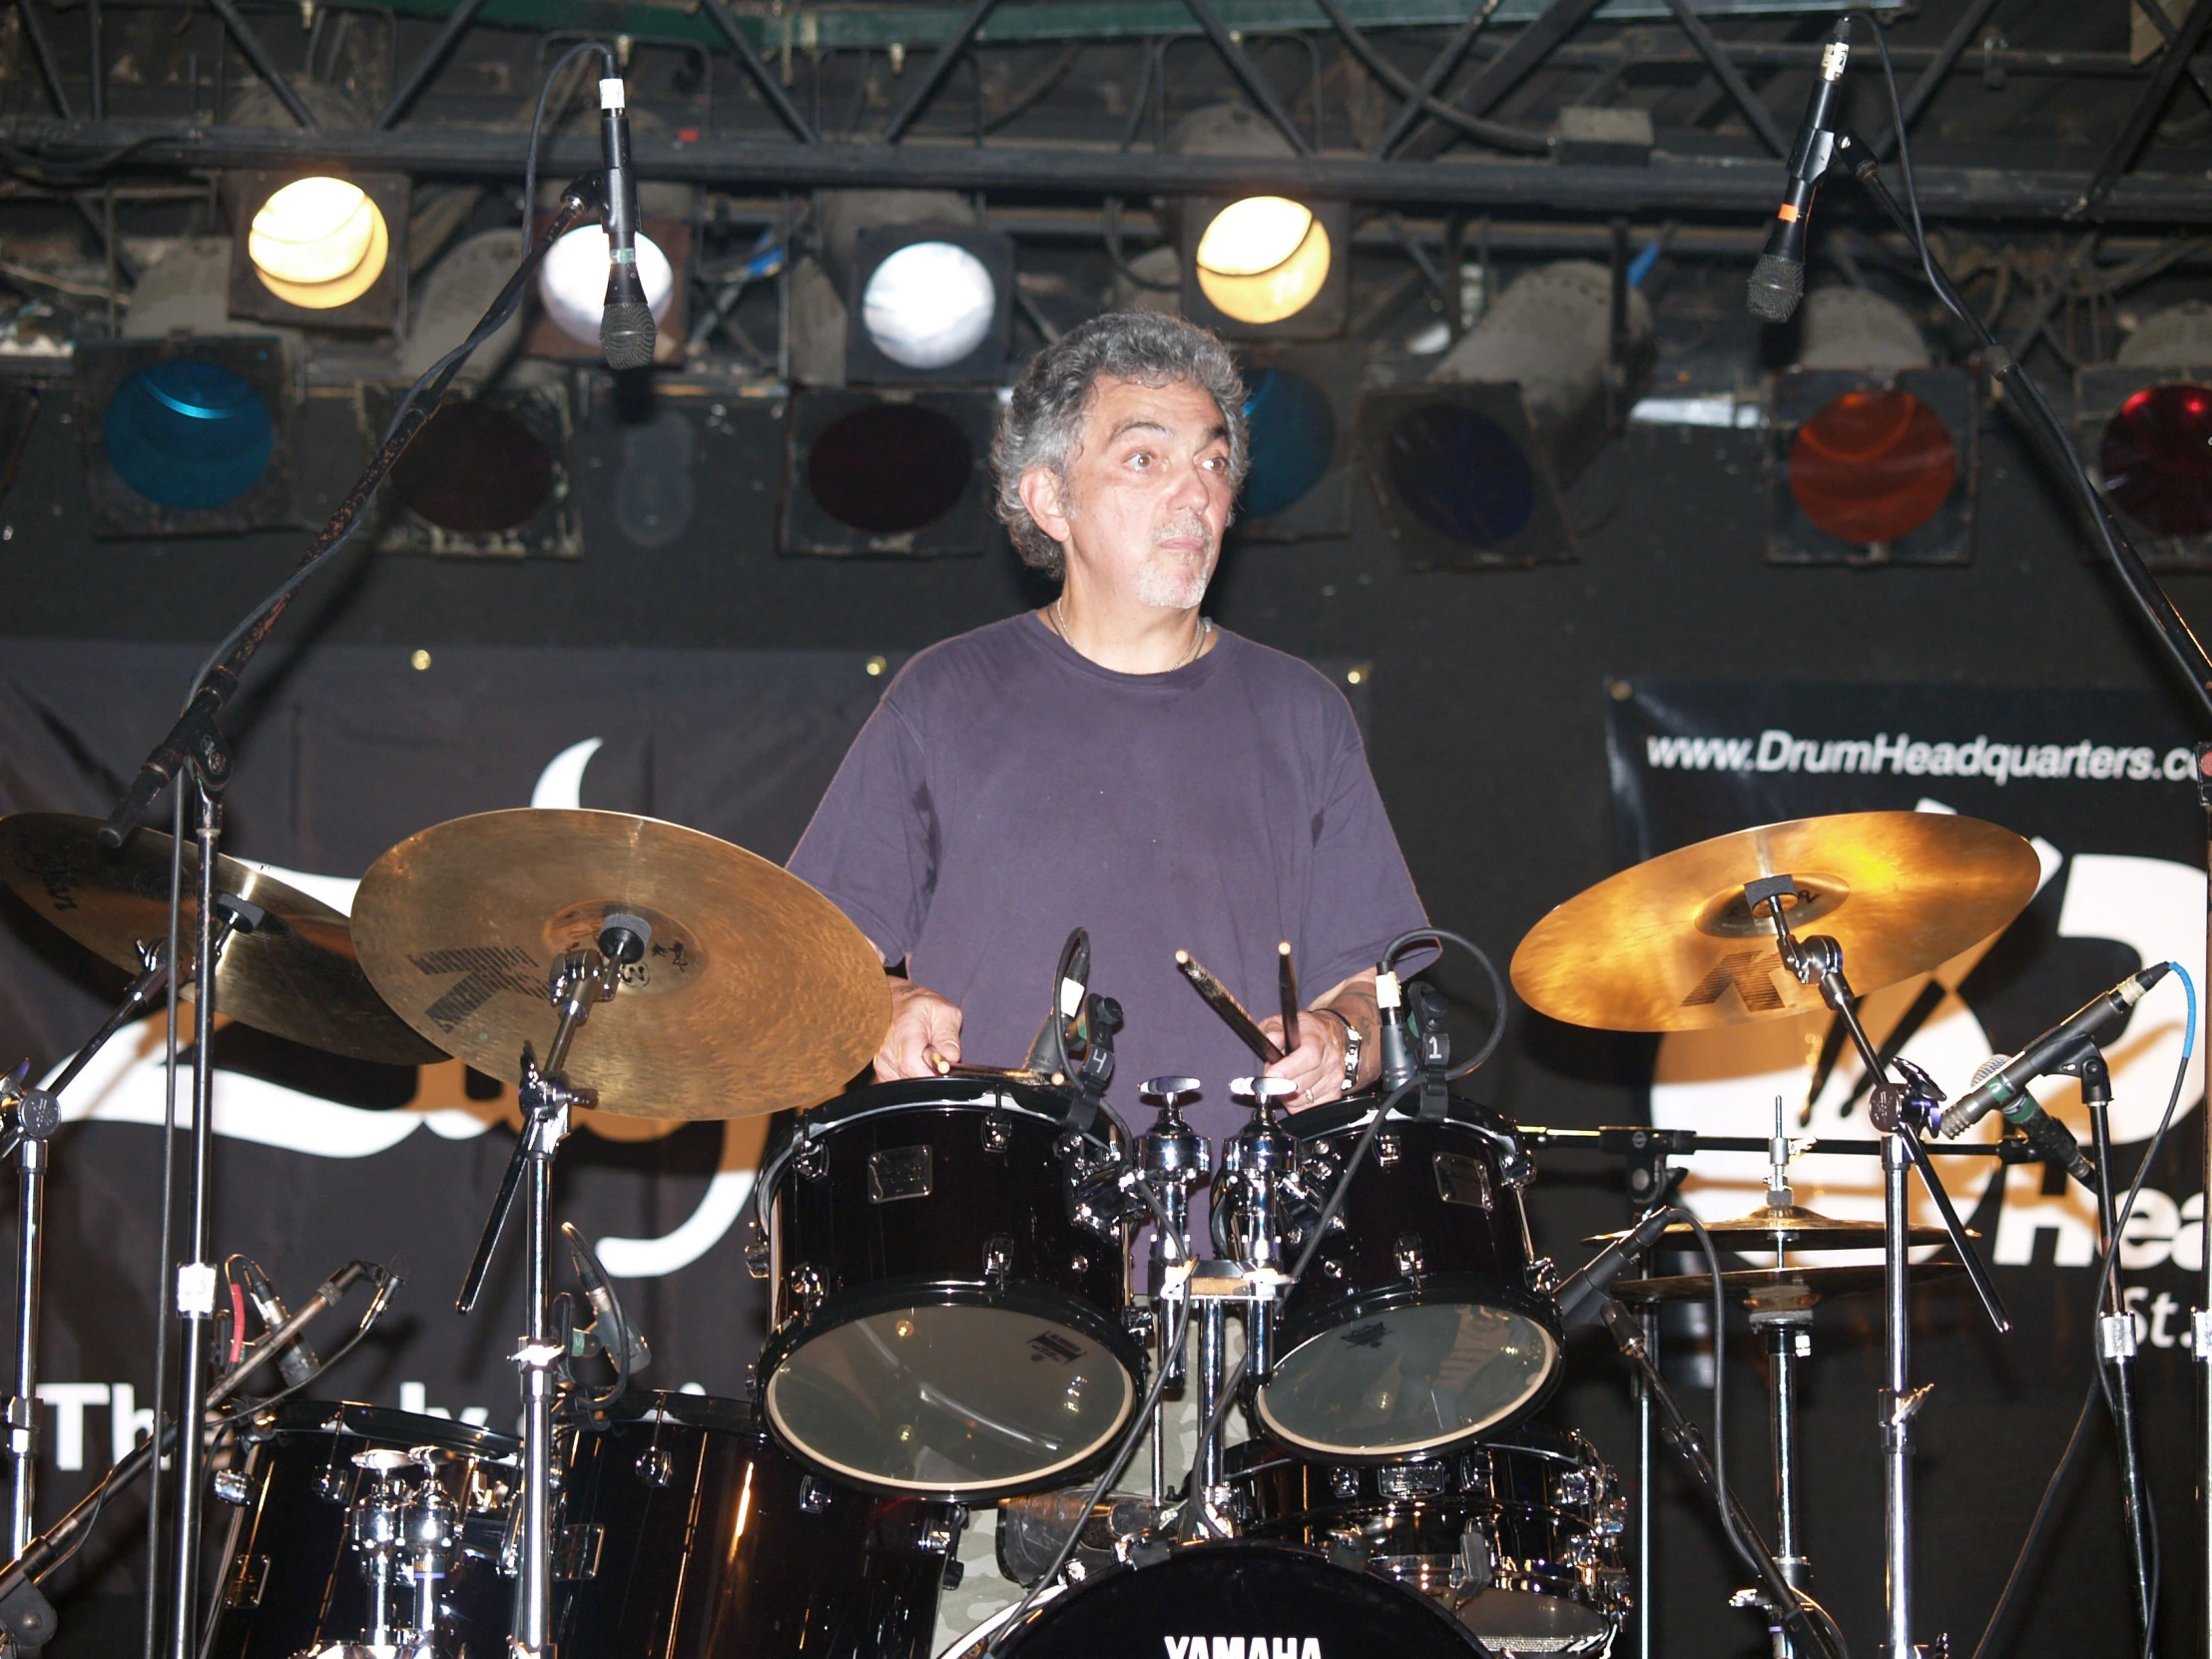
{"x":626,"y":333}
{"x":2006,"y":1089}
{"x":1778,"y":280}
{"x":608,"y":1321}
{"x":1582,"y":1299}
{"x":296,"y":1363}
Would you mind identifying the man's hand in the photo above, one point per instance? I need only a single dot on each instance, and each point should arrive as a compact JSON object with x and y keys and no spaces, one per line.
{"x":1317,"y":1065}
{"x":922,"y":1020}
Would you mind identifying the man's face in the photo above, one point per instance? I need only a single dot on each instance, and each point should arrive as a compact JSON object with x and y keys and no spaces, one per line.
{"x":1148,"y":494}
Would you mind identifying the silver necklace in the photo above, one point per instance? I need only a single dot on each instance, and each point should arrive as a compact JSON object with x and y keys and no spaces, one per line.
{"x":1205,"y":627}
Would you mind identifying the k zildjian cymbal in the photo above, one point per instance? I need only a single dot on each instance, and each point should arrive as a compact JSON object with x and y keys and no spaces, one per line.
{"x":756,"y":993}
{"x":297,"y":975}
{"x":1671,"y":944}
{"x":1772,"y":1289}
{"x":1791,"y":1228}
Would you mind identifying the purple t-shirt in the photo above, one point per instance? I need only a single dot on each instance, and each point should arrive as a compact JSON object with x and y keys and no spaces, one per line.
{"x":1009,"y":789}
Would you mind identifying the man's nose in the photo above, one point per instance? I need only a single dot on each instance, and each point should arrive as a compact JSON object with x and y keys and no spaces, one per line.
{"x":1192,"y":488}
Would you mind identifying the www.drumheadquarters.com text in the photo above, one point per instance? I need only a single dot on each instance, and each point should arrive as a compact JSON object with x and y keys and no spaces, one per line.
{"x":1777,"y":751}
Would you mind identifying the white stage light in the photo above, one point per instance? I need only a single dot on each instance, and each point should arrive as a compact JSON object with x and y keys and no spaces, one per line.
{"x":320,"y":243}
{"x":572,"y":283}
{"x":928,"y":304}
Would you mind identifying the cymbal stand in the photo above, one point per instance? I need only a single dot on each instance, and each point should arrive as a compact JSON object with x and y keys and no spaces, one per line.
{"x":2116,"y":1329}
{"x":1787,"y":1325}
{"x":1173,"y":1157}
{"x":578,"y":981}
{"x":1899,"y":1112}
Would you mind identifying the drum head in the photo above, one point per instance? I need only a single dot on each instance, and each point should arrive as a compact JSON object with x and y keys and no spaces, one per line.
{"x":1266,"y":1599}
{"x":1525,"y":1621}
{"x":1408,"y":1380}
{"x":953,"y":1399}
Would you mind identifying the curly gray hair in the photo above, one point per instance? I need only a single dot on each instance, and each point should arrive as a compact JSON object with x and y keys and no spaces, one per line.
{"x":1045,"y":414}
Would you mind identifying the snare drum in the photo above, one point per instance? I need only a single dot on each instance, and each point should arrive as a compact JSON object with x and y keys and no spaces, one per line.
{"x":1520,"y":1538}
{"x":689,"y":1534}
{"x":296,"y":1577}
{"x":947,"y":1281}
{"x":1420,"y":1324}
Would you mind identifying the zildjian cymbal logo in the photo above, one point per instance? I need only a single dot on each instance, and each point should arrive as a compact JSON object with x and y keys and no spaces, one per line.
{"x":485,"y":970}
{"x":1753,"y":984}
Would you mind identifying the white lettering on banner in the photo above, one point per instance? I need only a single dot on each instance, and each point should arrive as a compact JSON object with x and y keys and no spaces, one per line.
{"x":68,"y":1400}
{"x":415,"y":1397}
{"x":1898,"y":752}
{"x":2155,"y":1321}
{"x":2156,"y":907}
{"x":128,"y":1422}
{"x":2071,"y":1214}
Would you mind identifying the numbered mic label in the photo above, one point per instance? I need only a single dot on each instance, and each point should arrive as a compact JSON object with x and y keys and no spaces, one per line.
{"x":195,"y":1289}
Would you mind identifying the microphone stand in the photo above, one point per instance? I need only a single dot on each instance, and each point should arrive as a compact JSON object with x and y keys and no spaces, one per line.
{"x":194,"y":751}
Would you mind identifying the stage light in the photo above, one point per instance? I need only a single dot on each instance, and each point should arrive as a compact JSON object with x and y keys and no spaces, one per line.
{"x":1871,"y":451}
{"x":894,"y":473}
{"x":572,"y":282}
{"x":1258,"y":265}
{"x":2156,"y":459}
{"x":488,"y":477}
{"x":185,"y":436}
{"x":929,"y":305}
{"x":1262,"y":260}
{"x":1300,"y":403}
{"x":320,"y":250}
{"x":318,"y":242}
{"x":1462,"y":482}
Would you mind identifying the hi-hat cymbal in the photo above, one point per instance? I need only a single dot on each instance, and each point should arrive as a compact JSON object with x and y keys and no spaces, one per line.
{"x":297,"y":975}
{"x":756,"y":994}
{"x":1772,"y":1290}
{"x":1773,"y":1227}
{"x":1671,"y":945}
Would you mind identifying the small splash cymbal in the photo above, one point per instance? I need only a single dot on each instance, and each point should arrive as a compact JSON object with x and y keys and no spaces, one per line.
{"x":756,"y":993}
{"x":296,"y":976}
{"x":1671,"y":944}
{"x":1774,"y":1290}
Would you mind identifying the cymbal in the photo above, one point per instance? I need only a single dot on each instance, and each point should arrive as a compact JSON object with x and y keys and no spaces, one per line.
{"x":1671,"y":945}
{"x":1788,"y":1228}
{"x":295,"y":976}
{"x":1772,"y":1289}
{"x":755,"y":996}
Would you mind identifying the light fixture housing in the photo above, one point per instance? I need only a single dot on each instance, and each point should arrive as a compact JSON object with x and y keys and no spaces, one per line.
{"x":1265,"y":266}
{"x":1302,"y":405}
{"x":321,"y":248}
{"x":1460,"y":481}
{"x":489,"y":475}
{"x":929,"y":305}
{"x":2144,"y":426}
{"x":1872,"y":468}
{"x":900,"y":471}
{"x":186,"y":435}
{"x":564,"y":324}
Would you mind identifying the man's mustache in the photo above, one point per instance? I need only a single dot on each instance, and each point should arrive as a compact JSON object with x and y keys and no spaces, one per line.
{"x":1197,"y":527}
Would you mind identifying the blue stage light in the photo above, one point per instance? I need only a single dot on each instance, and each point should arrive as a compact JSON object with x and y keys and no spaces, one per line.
{"x":188,"y":434}
{"x":1294,"y":437}
{"x":1461,"y":475}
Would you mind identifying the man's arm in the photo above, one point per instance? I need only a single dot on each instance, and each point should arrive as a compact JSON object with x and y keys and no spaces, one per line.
{"x":921,"y":1022}
{"x":1317,"y":1065}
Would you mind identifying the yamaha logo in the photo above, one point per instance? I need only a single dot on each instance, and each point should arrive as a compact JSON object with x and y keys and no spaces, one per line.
{"x":1243,"y":1647}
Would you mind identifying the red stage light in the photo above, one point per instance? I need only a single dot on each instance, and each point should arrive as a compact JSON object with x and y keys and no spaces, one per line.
{"x":2158,"y":459}
{"x":1872,"y":466}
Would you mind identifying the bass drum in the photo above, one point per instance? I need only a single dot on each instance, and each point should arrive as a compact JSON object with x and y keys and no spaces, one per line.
{"x":689,"y":1534}
{"x":291,"y":1580}
{"x":1420,"y":1324}
{"x":1243,"y":1595}
{"x":945,"y":1308}
{"x":1520,"y":1538}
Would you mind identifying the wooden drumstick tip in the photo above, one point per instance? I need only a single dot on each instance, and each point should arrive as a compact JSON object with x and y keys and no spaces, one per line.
{"x":1182,"y":958}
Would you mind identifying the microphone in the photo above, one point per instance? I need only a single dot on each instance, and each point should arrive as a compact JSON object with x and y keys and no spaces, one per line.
{"x":1582,"y":1299}
{"x":1399,"y":1065}
{"x":1778,"y":280}
{"x":626,"y":326}
{"x":2006,"y":1089}
{"x":295,"y":1360}
{"x":1069,"y":985}
{"x":2051,"y":1140}
{"x":608,"y":1323}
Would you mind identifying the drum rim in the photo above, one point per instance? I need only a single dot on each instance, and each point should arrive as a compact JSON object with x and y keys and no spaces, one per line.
{"x":1349,"y":1112}
{"x":1026,"y":1296}
{"x":1401,"y":1293}
{"x":653,"y":1407}
{"x":364,"y":1421}
{"x":920,"y":1094}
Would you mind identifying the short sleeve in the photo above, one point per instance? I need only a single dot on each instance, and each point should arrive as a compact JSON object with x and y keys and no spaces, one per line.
{"x":871,"y":847}
{"x":1361,"y":896}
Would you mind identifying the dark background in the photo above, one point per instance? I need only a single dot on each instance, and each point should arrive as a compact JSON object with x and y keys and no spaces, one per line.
{"x":1487,"y":738}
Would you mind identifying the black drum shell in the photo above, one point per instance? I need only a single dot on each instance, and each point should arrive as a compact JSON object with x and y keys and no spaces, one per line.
{"x":1239,"y":1590}
{"x":1471,"y":1253}
{"x":1005,"y":1190}
{"x":290,"y":1582}
{"x":814,"y":1568}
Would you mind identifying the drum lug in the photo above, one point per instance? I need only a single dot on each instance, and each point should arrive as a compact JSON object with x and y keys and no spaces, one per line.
{"x":1478,"y":1564}
{"x":1544,"y":1276}
{"x":1385,"y":1149}
{"x":756,"y":1253}
{"x":803,"y":1290}
{"x":232,"y":1487}
{"x":811,"y":1161}
{"x":1345,"y":1482}
{"x":1139,"y":1323}
{"x":813,"y":1495}
{"x":654,"y":1467}
{"x":999,"y":1260}
{"x":999,"y":1131}
{"x":1410,"y":1257}
{"x":941,"y":1526}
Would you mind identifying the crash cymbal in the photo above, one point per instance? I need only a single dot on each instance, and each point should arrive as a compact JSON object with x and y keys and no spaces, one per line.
{"x":295,"y":976}
{"x":1671,"y":945}
{"x":1793,"y":1227}
{"x":1771,"y":1290}
{"x":756,"y":994}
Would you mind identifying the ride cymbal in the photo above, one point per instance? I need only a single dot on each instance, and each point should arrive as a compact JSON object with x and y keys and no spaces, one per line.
{"x":755,"y":996}
{"x":296,"y":976}
{"x":1793,"y":1228}
{"x":1670,"y":945}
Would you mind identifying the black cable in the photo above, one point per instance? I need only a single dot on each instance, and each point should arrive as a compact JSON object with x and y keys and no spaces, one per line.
{"x":2038,"y":1527}
{"x":1495,"y":133}
{"x":537,"y":123}
{"x":1396,"y":947}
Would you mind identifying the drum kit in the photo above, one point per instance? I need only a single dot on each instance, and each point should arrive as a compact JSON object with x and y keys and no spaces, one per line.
{"x":962,"y":1308}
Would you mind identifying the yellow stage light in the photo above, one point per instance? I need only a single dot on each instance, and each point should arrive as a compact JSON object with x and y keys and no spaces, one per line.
{"x":1263,"y":259}
{"x":319,"y":243}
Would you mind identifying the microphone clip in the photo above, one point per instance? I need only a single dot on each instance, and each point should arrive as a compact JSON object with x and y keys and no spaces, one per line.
{"x":1917,"y":1102}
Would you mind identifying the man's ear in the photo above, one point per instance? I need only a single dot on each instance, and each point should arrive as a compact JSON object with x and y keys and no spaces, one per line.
{"x":1041,"y":494}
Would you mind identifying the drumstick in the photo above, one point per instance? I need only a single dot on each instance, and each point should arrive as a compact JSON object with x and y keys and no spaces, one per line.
{"x":1287,"y":983}
{"x":994,"y":1075}
{"x":1231,"y":1011}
